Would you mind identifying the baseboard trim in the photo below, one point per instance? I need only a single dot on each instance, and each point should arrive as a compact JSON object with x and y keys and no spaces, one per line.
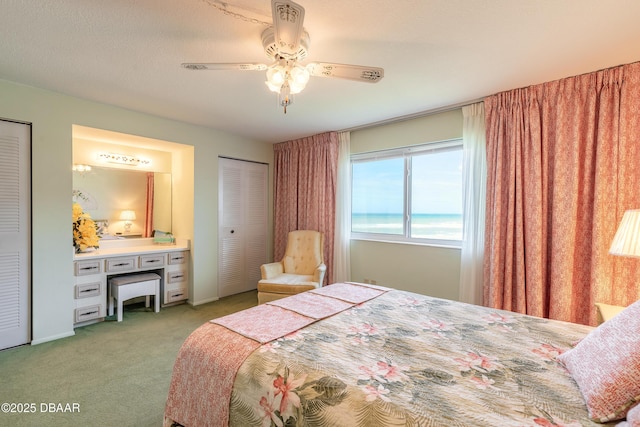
{"x":52,"y":338}
{"x":204,"y":301}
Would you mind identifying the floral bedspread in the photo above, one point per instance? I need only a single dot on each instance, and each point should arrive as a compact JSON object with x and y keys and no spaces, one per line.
{"x":402,"y":359}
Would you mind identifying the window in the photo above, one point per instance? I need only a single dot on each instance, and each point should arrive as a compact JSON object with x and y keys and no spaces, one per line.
{"x":411,"y":194}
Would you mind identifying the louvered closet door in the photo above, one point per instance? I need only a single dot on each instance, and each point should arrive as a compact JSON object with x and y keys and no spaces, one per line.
{"x":242,"y":230}
{"x":15,"y":226}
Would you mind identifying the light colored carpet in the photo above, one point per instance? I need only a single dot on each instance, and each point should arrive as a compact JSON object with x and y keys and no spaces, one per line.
{"x":108,"y":374}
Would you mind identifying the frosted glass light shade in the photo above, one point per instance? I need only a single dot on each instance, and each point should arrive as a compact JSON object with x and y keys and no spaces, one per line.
{"x":284,"y":75}
{"x":627,"y":239}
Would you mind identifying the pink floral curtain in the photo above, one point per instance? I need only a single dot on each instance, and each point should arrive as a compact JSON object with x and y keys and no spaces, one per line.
{"x":563,"y":165}
{"x":148,"y":216}
{"x":305,"y":174}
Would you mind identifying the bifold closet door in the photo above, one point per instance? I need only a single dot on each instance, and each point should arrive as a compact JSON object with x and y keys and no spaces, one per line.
{"x":242,"y":224}
{"x":15,"y":232}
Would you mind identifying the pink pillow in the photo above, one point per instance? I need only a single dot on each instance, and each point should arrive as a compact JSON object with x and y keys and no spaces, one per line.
{"x":633,"y":416}
{"x":606,"y":366}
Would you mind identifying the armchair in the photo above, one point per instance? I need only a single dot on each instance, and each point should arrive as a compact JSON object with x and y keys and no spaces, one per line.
{"x":301,"y":269}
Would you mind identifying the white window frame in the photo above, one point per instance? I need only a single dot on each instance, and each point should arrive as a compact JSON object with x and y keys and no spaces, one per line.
{"x":406,"y":153}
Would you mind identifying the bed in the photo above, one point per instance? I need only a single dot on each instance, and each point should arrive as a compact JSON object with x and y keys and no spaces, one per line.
{"x":351,"y":354}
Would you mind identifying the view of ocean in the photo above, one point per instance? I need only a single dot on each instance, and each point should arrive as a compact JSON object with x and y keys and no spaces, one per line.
{"x":430,"y":226}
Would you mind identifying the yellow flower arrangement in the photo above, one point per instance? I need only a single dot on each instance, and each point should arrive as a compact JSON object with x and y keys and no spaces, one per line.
{"x":85,"y":233}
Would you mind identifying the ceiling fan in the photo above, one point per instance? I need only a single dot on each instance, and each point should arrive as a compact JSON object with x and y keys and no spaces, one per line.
{"x":286,"y":43}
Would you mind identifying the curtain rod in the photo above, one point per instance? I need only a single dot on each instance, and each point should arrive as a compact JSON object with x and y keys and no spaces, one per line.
{"x":413,"y":116}
{"x":454,"y":106}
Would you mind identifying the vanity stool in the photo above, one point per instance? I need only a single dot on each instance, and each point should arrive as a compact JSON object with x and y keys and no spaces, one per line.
{"x":123,"y":288}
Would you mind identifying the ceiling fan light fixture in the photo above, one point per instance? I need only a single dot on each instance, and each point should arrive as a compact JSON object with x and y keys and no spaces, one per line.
{"x":286,"y":78}
{"x":286,"y":42}
{"x":272,"y":87}
{"x":276,"y":75}
{"x":295,"y":88}
{"x":299,"y":76}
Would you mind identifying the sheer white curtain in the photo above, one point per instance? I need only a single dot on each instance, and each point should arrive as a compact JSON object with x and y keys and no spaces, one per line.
{"x":474,"y":178}
{"x":341,"y":248}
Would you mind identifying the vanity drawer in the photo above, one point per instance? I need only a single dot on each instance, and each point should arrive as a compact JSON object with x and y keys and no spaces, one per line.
{"x":88,"y":313}
{"x":88,"y":290}
{"x":175,"y":295}
{"x":176,"y":276}
{"x":85,"y":268}
{"x":177,"y":257}
{"x":150,"y":261}
{"x":121,"y":264}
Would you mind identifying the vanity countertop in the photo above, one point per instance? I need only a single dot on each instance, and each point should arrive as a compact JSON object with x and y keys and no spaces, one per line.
{"x":115,"y":248}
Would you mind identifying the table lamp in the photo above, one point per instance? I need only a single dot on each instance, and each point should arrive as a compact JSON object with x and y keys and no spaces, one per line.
{"x":626,"y":242}
{"x":127,"y":216}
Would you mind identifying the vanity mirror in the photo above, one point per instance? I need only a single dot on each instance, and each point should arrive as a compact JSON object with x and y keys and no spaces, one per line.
{"x":105,"y":193}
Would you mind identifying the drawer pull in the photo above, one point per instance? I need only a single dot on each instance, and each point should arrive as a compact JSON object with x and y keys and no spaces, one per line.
{"x":88,"y":290}
{"x":177,"y":295}
{"x":176,"y":277}
{"x":88,"y":313}
{"x":86,"y":268}
{"x":151,"y":261}
{"x":121,"y":264}
{"x":177,"y":258}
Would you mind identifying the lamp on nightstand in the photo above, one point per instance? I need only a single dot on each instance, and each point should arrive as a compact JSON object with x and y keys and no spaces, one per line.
{"x":627,"y":239}
{"x":127,"y":216}
{"x":626,"y":243}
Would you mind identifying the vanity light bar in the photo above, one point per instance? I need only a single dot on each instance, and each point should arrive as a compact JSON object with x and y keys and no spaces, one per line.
{"x":123,"y":159}
{"x":81,"y":168}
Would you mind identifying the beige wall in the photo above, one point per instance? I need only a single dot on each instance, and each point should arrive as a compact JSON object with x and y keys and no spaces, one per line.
{"x":428,"y":270}
{"x":52,"y":116}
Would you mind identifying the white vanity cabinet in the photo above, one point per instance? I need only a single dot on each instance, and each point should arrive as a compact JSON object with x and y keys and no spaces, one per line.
{"x":92,"y":271}
{"x":175,"y":280}
{"x":89,"y":291}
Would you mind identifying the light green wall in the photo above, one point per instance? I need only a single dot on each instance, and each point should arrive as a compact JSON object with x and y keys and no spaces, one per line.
{"x":422,"y":269}
{"x":428,"y":270}
{"x":52,"y":116}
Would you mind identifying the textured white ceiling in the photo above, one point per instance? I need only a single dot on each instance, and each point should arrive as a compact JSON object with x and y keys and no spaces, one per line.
{"x":435,"y":53}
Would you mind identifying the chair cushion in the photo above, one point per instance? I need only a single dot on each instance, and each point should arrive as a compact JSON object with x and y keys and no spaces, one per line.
{"x":288,"y":284}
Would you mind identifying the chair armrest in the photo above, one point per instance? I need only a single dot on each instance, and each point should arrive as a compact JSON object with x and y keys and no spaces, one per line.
{"x":318,"y":274}
{"x":271,"y":270}
{"x":606,"y":311}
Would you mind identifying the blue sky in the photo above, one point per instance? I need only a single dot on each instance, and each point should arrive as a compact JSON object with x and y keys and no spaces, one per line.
{"x":437,"y":184}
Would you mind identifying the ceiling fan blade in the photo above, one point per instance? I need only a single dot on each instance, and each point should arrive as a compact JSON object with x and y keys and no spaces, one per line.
{"x":247,"y":66}
{"x":288,"y":18}
{"x":344,"y":71}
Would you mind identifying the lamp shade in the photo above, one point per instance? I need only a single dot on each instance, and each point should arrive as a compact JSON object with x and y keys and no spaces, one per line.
{"x":128,"y":215}
{"x":627,"y":239}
